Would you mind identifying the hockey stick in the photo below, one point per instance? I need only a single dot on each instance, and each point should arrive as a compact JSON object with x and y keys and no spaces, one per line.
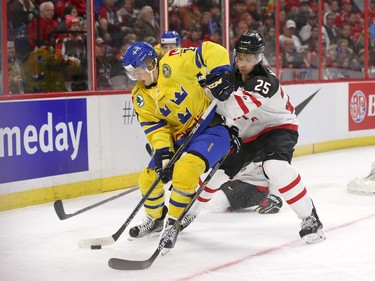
{"x":96,"y":243}
{"x":149,"y":150}
{"x":60,"y":212}
{"x":59,"y":207}
{"x":123,"y":264}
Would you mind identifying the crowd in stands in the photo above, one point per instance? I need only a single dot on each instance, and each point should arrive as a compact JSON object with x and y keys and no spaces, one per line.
{"x":54,"y":32}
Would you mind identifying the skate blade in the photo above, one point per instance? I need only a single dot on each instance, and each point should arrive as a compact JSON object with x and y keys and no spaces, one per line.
{"x":165,"y":251}
{"x":152,"y":236}
{"x":314,"y":237}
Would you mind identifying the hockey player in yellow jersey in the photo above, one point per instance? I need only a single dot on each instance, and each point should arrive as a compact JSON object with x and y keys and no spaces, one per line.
{"x":169,"y":100}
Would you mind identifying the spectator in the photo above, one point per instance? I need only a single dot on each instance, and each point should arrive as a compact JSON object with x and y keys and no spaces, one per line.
{"x":237,"y":9}
{"x":118,"y":78}
{"x":70,"y":10}
{"x":146,"y":25}
{"x":270,"y":46}
{"x":344,"y":54}
{"x":201,"y":5}
{"x":41,"y":30}
{"x":62,"y":5}
{"x":250,"y":22}
{"x":216,"y":16}
{"x":239,"y":29}
{"x":83,"y":26}
{"x":194,"y":39}
{"x":333,"y":8}
{"x":175,"y":22}
{"x":20,"y":14}
{"x":302,"y":14}
{"x":292,"y":58}
{"x":289,"y":30}
{"x":343,"y":16}
{"x":205,"y":23}
{"x":330,"y":57}
{"x":131,"y":36}
{"x":253,"y":10}
{"x":283,"y":18}
{"x":103,"y":68}
{"x":15,"y":71}
{"x":330,"y":31}
{"x":108,"y":11}
{"x":71,"y":53}
{"x":313,"y":45}
{"x":359,"y":62}
{"x":102,"y":31}
{"x":268,"y":22}
{"x":346,"y":34}
{"x":305,"y":32}
{"x":81,"y":7}
{"x":215,"y":37}
{"x":128,"y":13}
{"x":356,"y":25}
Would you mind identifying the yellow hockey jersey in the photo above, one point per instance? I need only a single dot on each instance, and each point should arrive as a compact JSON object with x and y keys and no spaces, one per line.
{"x":168,"y":110}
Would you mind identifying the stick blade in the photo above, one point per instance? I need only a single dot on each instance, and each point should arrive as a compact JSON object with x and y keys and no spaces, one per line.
{"x":122,"y":264}
{"x":59,"y":209}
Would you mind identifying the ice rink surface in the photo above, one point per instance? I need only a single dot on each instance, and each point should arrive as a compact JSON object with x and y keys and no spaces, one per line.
{"x":36,"y":246}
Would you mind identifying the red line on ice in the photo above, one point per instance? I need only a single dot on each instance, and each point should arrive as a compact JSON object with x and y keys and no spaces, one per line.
{"x":267,"y":251}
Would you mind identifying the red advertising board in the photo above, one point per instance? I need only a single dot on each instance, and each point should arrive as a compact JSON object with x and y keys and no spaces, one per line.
{"x":361,"y":106}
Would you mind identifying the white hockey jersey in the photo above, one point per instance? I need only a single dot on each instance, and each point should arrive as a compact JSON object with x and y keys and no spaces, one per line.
{"x":258,"y":105}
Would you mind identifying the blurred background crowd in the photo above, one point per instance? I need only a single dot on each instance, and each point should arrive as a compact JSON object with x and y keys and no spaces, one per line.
{"x":49,"y":47}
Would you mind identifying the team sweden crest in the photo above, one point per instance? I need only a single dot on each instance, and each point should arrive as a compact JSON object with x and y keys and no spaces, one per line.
{"x":139,"y":100}
{"x":166,"y":70}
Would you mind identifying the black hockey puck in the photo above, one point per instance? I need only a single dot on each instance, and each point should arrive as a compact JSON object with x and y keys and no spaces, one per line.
{"x":96,"y":247}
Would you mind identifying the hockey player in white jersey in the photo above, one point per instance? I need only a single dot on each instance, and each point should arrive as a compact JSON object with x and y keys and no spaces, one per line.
{"x":268,"y":128}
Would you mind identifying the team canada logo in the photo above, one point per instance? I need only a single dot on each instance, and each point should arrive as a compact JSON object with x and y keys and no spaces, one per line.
{"x":358,"y":106}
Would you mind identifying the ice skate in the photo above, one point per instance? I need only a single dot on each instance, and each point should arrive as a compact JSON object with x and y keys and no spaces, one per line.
{"x":311,"y":229}
{"x":172,"y":236}
{"x":186,"y":221}
{"x":149,"y":226}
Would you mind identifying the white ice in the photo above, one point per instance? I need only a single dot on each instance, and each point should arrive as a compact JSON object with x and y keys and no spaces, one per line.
{"x":36,"y":246}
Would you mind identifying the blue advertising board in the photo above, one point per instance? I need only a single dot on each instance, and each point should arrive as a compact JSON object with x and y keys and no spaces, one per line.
{"x":42,"y":138}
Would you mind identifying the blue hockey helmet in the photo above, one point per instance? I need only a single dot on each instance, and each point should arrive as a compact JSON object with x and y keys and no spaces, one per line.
{"x":139,"y":55}
{"x":170,"y":37}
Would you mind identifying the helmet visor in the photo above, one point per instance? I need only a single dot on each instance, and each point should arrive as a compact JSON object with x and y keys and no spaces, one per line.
{"x":248,"y":58}
{"x":137,"y":73}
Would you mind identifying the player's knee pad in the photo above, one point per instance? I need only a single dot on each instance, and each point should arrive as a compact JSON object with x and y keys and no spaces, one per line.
{"x":279,"y":172}
{"x":186,"y":172}
{"x":155,"y":202}
{"x":146,"y":178}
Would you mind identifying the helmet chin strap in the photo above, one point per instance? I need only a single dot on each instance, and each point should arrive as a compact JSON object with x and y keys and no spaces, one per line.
{"x":151,"y":72}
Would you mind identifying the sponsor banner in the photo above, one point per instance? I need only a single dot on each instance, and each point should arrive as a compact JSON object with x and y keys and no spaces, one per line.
{"x":42,"y":138}
{"x":361,"y":106}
